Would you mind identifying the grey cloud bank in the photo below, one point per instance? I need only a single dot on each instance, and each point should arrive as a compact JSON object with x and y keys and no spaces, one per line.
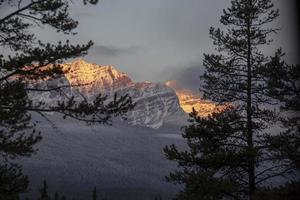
{"x":151,"y":40}
{"x":101,"y":50}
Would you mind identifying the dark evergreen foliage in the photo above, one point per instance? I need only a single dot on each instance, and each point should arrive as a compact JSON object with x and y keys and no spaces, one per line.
{"x":26,"y":59}
{"x":44,"y":192}
{"x":45,"y":195}
{"x":211,"y":146}
{"x":283,"y":82}
{"x":12,"y":181}
{"x":290,"y":191}
{"x":95,"y":194}
{"x":232,"y":153}
{"x":158,"y":198}
{"x":56,"y":196}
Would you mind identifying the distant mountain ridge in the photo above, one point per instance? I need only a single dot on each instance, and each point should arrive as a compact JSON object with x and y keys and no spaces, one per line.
{"x":154,"y":101}
{"x":189,"y":100}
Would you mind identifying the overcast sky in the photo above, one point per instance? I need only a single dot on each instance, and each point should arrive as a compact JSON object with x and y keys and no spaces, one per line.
{"x":157,"y":40}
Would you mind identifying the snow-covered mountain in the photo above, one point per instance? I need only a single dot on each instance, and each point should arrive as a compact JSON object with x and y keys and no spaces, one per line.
{"x":90,"y":79}
{"x":51,"y":96}
{"x":154,"y":101}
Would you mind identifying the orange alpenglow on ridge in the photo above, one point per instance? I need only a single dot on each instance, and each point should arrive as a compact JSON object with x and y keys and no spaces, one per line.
{"x":90,"y":79}
{"x":94,"y":78}
{"x":189,"y":100}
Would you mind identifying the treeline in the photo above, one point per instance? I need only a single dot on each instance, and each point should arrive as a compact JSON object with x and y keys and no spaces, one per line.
{"x":289,"y":191}
{"x":45,"y":195}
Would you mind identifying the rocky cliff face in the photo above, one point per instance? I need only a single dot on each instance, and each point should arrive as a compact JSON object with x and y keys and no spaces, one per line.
{"x":52,"y":96}
{"x":90,"y":79}
{"x":189,"y":100}
{"x":154,"y":101}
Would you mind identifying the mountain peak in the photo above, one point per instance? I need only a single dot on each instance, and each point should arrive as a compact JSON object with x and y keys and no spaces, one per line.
{"x":81,"y":62}
{"x":95,"y":78}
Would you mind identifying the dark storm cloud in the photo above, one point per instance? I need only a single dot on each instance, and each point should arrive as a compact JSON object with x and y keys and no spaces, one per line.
{"x":288,"y":37}
{"x":83,"y":15}
{"x":175,"y":33}
{"x":188,"y":76}
{"x":102,"y":50}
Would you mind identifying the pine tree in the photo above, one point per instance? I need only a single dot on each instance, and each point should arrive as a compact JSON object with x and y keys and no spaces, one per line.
{"x":229,"y":152}
{"x":44,"y":192}
{"x":56,"y":196}
{"x":209,"y":153}
{"x":284,"y":85}
{"x":94,"y":194}
{"x":157,"y":198}
{"x":12,"y":181}
{"x":27,"y":60}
